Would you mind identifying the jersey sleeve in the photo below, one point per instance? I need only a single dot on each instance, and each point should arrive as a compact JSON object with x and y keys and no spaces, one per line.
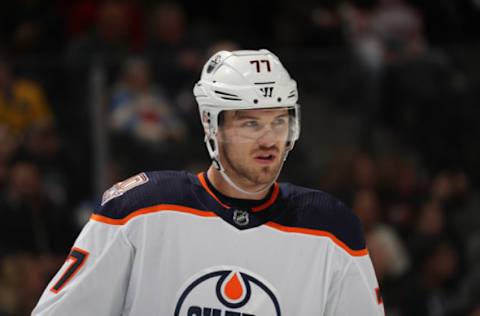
{"x":356,"y":291}
{"x":94,"y":278}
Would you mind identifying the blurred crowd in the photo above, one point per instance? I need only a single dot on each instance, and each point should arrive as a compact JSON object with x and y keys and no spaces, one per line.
{"x":421,"y":230}
{"x":389,"y":93}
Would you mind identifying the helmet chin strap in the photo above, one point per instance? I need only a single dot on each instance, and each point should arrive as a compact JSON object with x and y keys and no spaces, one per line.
{"x":238,"y":188}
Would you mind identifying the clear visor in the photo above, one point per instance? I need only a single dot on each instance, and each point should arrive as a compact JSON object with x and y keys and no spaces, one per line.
{"x":266,"y":125}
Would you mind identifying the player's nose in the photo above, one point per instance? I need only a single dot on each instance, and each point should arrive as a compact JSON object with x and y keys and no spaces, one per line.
{"x":267,"y":139}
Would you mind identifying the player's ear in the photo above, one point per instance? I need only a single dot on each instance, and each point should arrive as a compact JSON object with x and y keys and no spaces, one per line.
{"x":223,"y":117}
{"x":220,"y":135}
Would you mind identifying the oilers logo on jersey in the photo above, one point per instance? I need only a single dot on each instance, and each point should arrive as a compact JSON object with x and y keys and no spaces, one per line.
{"x":227,"y":291}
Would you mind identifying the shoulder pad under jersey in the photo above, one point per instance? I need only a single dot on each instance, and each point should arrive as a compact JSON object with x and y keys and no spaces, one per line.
{"x":144,"y":190}
{"x":317,"y":210}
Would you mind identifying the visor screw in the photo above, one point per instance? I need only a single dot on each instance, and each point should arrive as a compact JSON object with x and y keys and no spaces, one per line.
{"x":255,"y":101}
{"x":279,"y":99}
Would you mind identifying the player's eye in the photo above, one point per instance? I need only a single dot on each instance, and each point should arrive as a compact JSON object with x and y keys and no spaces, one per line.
{"x":250,"y":123}
{"x":279,"y":121}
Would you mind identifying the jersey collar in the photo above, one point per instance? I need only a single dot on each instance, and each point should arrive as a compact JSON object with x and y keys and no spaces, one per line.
{"x":228,"y":202}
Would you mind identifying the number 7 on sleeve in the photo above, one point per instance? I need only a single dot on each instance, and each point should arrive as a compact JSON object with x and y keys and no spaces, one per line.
{"x":78,"y":257}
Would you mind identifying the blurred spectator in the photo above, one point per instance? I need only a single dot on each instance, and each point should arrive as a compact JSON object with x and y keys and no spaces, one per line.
{"x":367,"y":206}
{"x":102,"y":36}
{"x":141,"y":115}
{"x":388,"y":42}
{"x":451,"y":188}
{"x":23,"y":277}
{"x":431,"y":221}
{"x":436,"y":267}
{"x":350,"y":170}
{"x":310,"y":24}
{"x":140,"y":109}
{"x":401,"y":178}
{"x":337,"y":178}
{"x":82,"y":16}
{"x":34,"y":223}
{"x":391,"y":261}
{"x":388,"y":253}
{"x":389,"y":32}
{"x":110,"y":40}
{"x":22,"y":102}
{"x":31,"y":28}
{"x":365,"y":175}
{"x":327,"y":24}
{"x":399,"y":28}
{"x":45,"y":148}
{"x":170,"y":49}
{"x":397,"y":184}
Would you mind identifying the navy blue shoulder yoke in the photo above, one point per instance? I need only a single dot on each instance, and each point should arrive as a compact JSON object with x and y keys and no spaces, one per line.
{"x":317,"y":210}
{"x":145,"y":190}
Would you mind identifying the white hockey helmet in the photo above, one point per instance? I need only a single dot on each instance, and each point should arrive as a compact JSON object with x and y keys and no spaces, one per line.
{"x":244,"y":80}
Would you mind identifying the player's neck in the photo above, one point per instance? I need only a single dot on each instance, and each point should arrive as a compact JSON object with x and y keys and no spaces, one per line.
{"x":225,"y":188}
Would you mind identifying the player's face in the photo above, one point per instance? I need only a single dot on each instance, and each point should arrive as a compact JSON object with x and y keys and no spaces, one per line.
{"x":253,"y":144}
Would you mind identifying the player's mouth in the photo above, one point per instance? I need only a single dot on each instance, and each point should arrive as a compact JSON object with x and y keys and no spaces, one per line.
{"x":265,"y":158}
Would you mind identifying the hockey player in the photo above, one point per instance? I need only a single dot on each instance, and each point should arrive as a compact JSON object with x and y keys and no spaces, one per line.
{"x":230,"y":241}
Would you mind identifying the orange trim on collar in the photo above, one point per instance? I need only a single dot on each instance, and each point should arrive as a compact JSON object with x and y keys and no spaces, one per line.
{"x":271,"y":200}
{"x":201,"y":177}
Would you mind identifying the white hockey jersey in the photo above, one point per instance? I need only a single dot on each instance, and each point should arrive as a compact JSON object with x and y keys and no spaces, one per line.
{"x":166,"y":243}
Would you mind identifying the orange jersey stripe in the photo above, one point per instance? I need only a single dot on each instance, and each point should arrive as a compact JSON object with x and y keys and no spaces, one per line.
{"x":188,"y":210}
{"x":149,"y":210}
{"x":201,"y":177}
{"x":271,"y":200}
{"x":314,"y":232}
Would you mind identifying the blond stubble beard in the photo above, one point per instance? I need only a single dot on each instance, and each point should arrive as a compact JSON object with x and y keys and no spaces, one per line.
{"x":264,"y":175}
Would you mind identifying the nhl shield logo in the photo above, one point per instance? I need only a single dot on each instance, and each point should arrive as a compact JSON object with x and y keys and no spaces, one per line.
{"x":241,"y":218}
{"x":227,"y":291}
